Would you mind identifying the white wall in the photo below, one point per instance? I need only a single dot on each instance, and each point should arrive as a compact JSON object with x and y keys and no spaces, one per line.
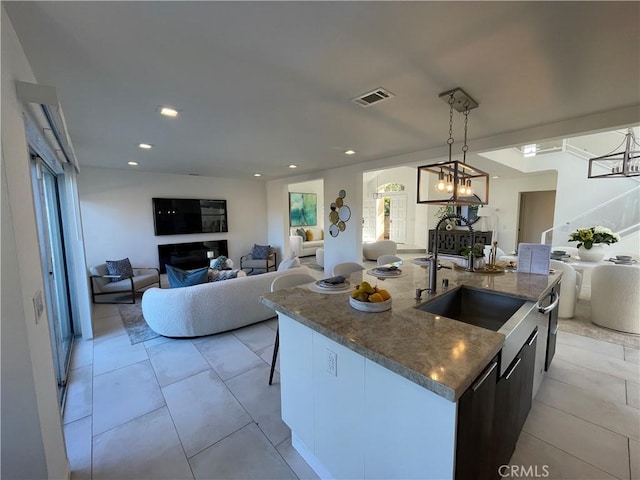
{"x":347,"y":246}
{"x":577,"y":194}
{"x":504,"y":202}
{"x":32,"y":436}
{"x":117,"y":213}
{"x":20,"y":420}
{"x":312,"y":186}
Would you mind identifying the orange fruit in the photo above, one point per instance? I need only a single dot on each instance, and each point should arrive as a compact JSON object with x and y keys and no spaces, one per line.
{"x":384,"y":294}
{"x":376,"y":298}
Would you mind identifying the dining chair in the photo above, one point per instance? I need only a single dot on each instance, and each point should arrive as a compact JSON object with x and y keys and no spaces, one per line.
{"x":346,"y":268}
{"x":615,"y":302}
{"x":384,"y":259}
{"x":285,"y":281}
{"x":571,"y":284}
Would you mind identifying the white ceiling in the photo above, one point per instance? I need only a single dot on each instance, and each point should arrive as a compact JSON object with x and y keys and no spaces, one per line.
{"x":261,"y":85}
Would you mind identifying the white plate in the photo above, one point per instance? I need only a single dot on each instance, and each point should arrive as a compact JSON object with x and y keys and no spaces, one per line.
{"x":386,"y":271}
{"x":370,"y":307}
{"x":339,"y":286}
{"x":421,"y":261}
{"x":622,"y":262}
{"x":384,"y":275}
{"x":329,"y":291}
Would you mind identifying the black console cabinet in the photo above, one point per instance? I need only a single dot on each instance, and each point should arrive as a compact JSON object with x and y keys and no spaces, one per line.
{"x":452,"y":241}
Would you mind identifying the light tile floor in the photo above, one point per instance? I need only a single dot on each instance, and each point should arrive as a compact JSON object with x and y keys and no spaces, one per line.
{"x":202,"y":408}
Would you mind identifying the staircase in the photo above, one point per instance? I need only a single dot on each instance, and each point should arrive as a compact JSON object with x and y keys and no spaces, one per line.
{"x":621,"y":214}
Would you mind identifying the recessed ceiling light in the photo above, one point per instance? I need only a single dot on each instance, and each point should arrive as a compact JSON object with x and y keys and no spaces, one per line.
{"x":495,"y":176}
{"x":145,"y":146}
{"x":168,"y":112}
{"x":293,"y":166}
{"x":133,"y":164}
{"x":257,"y":174}
{"x":350,"y":152}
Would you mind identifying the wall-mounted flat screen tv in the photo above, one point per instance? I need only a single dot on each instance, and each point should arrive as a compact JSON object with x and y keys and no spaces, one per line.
{"x":175,"y":216}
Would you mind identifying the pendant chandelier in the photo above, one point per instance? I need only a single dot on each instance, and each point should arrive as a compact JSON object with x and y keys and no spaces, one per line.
{"x":619,"y":164}
{"x":454,"y":182}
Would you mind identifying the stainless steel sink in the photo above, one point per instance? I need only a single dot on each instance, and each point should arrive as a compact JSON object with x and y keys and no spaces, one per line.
{"x":477,"y":307}
{"x":514,"y":317}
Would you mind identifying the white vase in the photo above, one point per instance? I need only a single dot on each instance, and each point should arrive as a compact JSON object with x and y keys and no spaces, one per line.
{"x":594,"y":254}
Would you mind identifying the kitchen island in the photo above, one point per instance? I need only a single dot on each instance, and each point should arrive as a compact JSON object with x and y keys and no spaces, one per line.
{"x":377,"y":395}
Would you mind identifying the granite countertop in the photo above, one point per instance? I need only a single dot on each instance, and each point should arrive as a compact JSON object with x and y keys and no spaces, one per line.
{"x":438,"y":353}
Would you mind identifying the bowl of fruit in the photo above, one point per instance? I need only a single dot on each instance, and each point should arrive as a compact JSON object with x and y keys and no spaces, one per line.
{"x":370,"y":299}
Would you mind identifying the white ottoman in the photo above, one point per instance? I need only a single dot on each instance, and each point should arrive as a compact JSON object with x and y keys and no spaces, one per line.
{"x":320,"y":256}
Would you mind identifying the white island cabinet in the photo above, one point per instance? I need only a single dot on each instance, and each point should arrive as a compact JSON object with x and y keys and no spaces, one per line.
{"x":352,"y":418}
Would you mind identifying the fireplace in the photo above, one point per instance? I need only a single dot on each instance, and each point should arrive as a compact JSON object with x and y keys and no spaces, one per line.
{"x":192,"y":255}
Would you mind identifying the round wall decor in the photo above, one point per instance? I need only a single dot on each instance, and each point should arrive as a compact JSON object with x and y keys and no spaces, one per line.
{"x":339,"y":215}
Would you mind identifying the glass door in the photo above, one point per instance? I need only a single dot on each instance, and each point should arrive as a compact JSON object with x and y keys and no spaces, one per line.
{"x":46,"y":189}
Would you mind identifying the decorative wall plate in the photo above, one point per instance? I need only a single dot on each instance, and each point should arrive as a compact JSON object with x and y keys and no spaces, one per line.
{"x":344,"y":212}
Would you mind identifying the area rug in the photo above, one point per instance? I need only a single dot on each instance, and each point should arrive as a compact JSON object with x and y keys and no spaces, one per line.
{"x":581,"y":324}
{"x":135,"y":324}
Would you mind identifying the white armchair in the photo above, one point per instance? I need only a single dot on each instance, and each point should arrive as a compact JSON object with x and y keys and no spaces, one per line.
{"x":571,"y":285}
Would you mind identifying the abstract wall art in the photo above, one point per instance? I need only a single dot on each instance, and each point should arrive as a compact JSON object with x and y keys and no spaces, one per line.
{"x":303,"y":209}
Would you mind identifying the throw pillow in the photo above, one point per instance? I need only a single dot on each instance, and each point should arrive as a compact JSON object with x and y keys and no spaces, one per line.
{"x":288,"y":263}
{"x":219,"y":263}
{"x":122,"y":268}
{"x":260,"y":252}
{"x":183,"y":278}
{"x":225,"y":275}
{"x":301,"y":233}
{"x":309,"y":236}
{"x":321,"y":234}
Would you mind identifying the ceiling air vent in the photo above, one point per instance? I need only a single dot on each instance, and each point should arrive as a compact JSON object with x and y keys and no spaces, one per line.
{"x":374,"y":96}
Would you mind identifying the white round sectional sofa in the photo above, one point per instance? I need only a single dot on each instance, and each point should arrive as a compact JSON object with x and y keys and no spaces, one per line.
{"x":210,"y":308}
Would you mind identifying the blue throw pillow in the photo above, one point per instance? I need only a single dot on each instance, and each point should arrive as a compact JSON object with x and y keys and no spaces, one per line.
{"x":260,"y":252}
{"x":122,"y":268}
{"x":182,"y":278}
{"x":220,"y":263}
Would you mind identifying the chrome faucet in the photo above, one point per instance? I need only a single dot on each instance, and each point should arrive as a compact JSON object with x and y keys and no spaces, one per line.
{"x":433,"y":260}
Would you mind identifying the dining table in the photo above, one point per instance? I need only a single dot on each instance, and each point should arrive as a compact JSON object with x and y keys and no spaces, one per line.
{"x":581,"y":266}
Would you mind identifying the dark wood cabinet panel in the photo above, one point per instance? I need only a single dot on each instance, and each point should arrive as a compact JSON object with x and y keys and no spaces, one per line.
{"x":528,"y":356}
{"x":513,"y":402}
{"x":475,"y":425}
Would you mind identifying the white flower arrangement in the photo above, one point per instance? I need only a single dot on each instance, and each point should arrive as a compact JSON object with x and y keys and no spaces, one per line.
{"x":588,"y":237}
